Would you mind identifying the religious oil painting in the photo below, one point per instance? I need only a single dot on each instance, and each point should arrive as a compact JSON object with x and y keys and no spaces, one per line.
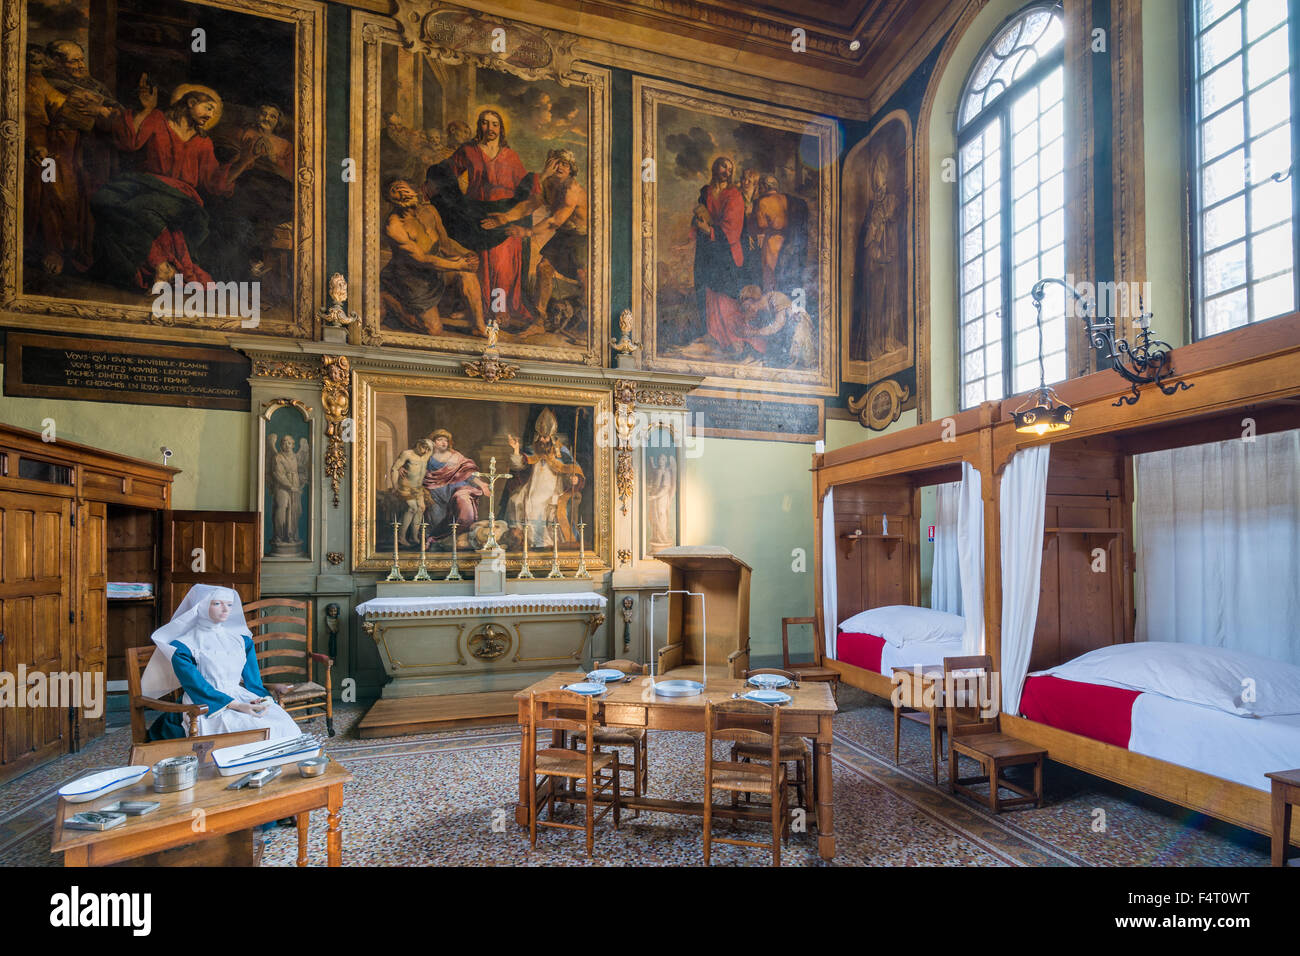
{"x":738,"y":205}
{"x":161,"y":146}
{"x":482,"y":197}
{"x":879,"y":336}
{"x":439,"y":461}
{"x":286,"y":480}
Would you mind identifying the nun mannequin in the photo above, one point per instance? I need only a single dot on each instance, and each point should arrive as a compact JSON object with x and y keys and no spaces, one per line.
{"x":207,"y":650}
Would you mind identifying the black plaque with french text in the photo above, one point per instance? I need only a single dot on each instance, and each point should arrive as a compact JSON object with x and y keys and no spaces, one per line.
{"x":724,"y":413}
{"x":134,"y":373}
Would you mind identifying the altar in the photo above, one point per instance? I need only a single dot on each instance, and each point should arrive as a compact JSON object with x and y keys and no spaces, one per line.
{"x":453,"y":656}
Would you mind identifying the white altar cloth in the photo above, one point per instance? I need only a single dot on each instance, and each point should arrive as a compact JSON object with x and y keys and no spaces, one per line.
{"x":470,"y":603}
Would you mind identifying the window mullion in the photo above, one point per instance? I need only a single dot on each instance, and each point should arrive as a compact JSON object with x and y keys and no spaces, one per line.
{"x":1008,"y":360}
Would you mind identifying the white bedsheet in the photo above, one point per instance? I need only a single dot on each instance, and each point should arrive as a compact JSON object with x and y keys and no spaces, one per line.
{"x":925,"y":654}
{"x":1240,"y":749}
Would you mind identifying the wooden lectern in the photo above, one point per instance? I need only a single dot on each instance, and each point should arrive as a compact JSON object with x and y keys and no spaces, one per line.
{"x":723,"y":579}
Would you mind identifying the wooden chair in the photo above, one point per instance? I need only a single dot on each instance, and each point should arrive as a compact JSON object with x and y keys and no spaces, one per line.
{"x":567,"y":712}
{"x":980,"y":738}
{"x":811,"y":671}
{"x":742,"y":721}
{"x":289,"y":653}
{"x":634,"y":738}
{"x":794,"y":749}
{"x":137,"y":659}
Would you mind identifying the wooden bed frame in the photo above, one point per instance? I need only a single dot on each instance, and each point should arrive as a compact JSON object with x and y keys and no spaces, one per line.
{"x":1253,"y":372}
{"x":891,"y":469}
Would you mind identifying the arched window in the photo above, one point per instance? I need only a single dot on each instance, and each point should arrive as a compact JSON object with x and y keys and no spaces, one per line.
{"x":1011,"y":206}
{"x":1243,"y":230}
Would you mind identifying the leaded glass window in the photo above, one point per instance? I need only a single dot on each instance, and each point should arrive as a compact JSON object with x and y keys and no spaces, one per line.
{"x":1011,"y":206}
{"x":1243,"y":230}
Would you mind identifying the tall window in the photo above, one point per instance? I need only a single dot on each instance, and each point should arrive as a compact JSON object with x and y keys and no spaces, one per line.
{"x":1011,"y":215}
{"x":1244,"y":235}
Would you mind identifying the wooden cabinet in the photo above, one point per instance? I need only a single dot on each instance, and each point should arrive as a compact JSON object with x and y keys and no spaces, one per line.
{"x":59,"y":505}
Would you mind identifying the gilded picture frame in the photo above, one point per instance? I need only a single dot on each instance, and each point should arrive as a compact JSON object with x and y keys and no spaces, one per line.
{"x":63,"y":281}
{"x":445,"y":45}
{"x":778,"y":334}
{"x":479,"y":421}
{"x":878,"y":337}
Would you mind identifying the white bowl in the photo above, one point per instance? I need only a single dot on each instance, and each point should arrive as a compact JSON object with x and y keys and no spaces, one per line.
{"x":95,"y":785}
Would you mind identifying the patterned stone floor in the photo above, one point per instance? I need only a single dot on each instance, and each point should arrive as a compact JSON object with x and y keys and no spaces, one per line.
{"x":448,"y":799}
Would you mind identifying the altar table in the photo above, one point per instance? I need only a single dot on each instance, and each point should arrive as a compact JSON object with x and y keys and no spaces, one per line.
{"x":635,"y":705}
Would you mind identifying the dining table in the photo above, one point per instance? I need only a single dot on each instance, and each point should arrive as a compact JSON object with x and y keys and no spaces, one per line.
{"x":634,"y":703}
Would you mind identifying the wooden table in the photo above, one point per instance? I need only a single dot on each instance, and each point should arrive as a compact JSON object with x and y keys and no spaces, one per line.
{"x":635,"y":705}
{"x":1286,"y":793}
{"x":206,"y":810}
{"x":912,"y":688}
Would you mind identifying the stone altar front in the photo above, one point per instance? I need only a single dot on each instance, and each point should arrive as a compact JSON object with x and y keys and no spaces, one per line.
{"x":440,"y":638}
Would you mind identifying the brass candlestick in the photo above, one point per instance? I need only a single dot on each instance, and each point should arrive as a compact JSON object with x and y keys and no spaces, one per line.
{"x":581,"y":573}
{"x":524,"y":570}
{"x":555,"y":551}
{"x":492,"y":478}
{"x":454,"y":574}
{"x":422,"y":572}
{"x":396,"y":573}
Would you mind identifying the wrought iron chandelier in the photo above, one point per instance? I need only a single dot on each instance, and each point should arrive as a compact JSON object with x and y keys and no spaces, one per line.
{"x":1145,"y":363}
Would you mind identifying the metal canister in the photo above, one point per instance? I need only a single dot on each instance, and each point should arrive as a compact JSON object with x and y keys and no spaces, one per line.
{"x":175,"y":773}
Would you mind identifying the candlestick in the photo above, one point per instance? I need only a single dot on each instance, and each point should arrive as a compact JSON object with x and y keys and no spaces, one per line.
{"x":555,"y":551}
{"x":492,"y":478}
{"x":422,"y":573}
{"x":454,"y":574}
{"x":581,"y":573}
{"x":524,"y":570}
{"x":396,"y":573}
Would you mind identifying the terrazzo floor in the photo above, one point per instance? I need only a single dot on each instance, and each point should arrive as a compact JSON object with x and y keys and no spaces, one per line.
{"x":447,"y":799}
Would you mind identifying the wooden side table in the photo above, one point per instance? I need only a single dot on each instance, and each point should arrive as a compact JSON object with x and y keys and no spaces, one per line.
{"x":1286,"y":794}
{"x":911,"y":687}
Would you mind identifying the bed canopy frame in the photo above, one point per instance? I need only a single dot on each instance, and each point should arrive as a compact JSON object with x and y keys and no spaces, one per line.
{"x":884,"y":476}
{"x":1249,"y":372}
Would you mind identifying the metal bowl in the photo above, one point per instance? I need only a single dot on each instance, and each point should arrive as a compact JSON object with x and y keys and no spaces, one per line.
{"x":175,"y":773}
{"x":678,"y":688}
{"x":313,"y":766}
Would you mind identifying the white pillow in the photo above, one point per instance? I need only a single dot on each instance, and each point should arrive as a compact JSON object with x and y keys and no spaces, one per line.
{"x":902,"y":624}
{"x":1230,"y":681}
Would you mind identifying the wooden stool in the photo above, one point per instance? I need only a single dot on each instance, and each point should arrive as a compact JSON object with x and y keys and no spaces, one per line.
{"x":1286,"y":794}
{"x":810,"y":671}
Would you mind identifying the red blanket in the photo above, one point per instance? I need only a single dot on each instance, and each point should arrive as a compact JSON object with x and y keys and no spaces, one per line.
{"x":1093,"y":710}
{"x":860,"y":650}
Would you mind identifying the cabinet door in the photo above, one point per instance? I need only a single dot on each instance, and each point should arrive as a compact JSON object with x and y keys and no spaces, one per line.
{"x":209,"y":547}
{"x":35,"y":605}
{"x":92,"y":604}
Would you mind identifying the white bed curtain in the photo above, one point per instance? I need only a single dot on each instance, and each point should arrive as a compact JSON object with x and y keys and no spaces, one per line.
{"x":1218,"y":545}
{"x":945,"y":574}
{"x":1023,"y":500}
{"x":830,"y":587}
{"x":970,"y":557}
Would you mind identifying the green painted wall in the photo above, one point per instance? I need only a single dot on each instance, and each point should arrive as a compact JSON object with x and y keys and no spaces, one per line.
{"x":211,"y":447}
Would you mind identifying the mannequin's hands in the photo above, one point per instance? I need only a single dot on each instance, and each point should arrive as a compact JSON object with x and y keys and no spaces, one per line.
{"x":254,"y":707}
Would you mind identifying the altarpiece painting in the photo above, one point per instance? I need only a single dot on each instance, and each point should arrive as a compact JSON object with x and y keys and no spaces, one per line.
{"x":426,"y":453}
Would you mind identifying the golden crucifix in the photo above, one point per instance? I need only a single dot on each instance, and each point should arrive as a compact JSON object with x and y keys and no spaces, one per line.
{"x":492,"y":477}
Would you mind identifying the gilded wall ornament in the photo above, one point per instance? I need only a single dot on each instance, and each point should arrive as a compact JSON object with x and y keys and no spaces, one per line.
{"x":879,"y":406}
{"x":271,"y":368}
{"x":336,"y":398}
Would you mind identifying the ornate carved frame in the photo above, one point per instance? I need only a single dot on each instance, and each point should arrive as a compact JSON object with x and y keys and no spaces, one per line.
{"x":366,"y":385}
{"x":647,"y":96}
{"x":366,"y":206}
{"x":17,"y":308}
